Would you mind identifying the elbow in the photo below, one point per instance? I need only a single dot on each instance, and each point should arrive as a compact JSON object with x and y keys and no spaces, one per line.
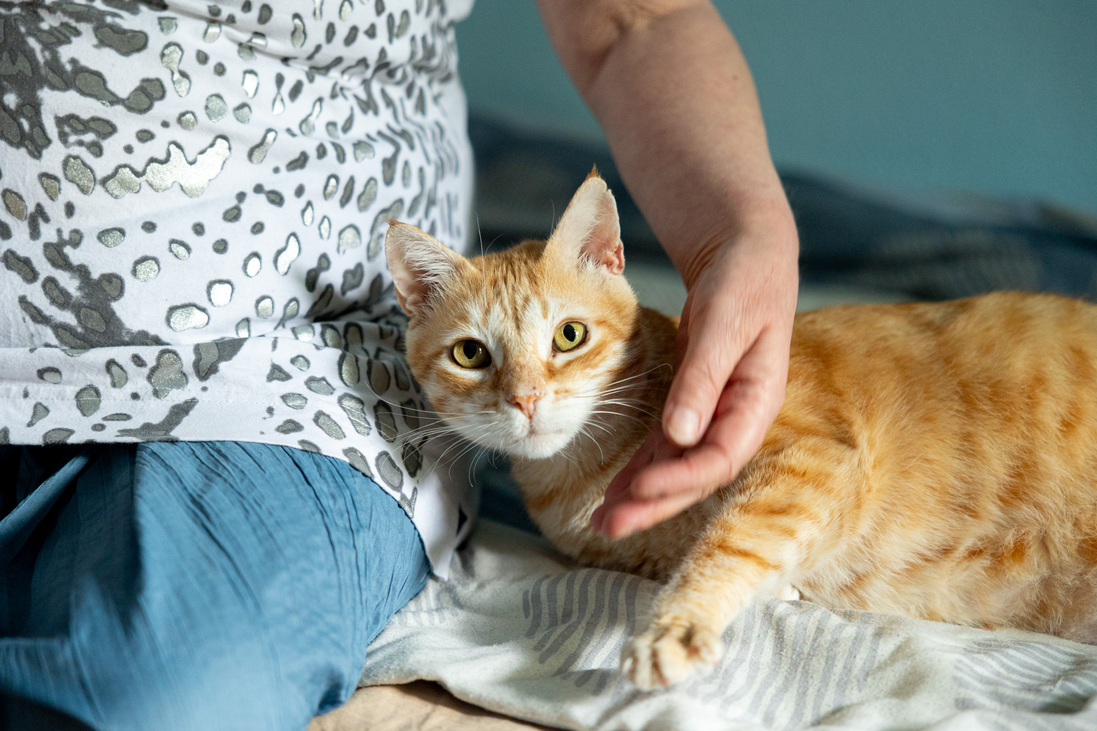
{"x":585,"y":32}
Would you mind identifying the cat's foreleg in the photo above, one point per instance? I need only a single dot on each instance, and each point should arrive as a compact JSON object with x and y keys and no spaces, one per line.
{"x":721,"y":576}
{"x":755,"y":550}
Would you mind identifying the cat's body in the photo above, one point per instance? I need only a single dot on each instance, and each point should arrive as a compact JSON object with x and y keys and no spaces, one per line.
{"x":933,"y":460}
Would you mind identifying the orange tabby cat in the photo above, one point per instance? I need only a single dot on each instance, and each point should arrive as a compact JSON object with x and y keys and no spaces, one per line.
{"x":933,"y":460}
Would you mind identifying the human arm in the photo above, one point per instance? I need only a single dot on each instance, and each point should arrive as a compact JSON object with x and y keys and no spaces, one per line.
{"x":672,"y":91}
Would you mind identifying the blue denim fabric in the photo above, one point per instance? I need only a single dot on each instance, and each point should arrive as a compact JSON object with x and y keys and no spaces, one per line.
{"x":191,"y":585}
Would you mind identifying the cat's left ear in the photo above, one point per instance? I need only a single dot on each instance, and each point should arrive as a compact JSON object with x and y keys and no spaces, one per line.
{"x":421,"y":266}
{"x":590,"y":227}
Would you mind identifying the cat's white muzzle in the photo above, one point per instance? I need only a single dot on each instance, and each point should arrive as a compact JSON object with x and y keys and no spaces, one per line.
{"x":509,"y":431}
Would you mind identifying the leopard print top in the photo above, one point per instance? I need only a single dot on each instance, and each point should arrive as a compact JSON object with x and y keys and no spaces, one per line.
{"x":194,"y":203}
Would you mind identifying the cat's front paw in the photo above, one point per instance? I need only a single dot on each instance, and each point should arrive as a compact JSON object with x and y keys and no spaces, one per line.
{"x":670,"y":651}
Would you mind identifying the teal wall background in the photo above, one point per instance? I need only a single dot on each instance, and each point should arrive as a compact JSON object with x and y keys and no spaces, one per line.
{"x":991,"y":96}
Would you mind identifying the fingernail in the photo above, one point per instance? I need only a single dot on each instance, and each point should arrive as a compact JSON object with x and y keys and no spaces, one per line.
{"x":683,"y":426}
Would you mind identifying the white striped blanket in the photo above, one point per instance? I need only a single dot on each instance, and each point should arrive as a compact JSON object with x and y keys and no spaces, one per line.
{"x":520,"y":630}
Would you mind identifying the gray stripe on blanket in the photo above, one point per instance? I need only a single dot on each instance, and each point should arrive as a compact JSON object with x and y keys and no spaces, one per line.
{"x":520,"y":630}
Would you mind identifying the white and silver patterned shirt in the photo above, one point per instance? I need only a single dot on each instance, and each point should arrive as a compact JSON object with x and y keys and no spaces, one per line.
{"x":194,"y":203}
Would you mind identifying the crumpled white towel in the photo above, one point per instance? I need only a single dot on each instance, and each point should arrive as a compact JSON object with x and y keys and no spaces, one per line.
{"x":520,"y":630}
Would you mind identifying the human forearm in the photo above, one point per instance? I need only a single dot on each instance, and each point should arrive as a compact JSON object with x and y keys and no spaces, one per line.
{"x":673,"y":93}
{"x":676,"y":100}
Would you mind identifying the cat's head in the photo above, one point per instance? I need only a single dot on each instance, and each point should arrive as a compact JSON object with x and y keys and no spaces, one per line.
{"x":515,"y":349}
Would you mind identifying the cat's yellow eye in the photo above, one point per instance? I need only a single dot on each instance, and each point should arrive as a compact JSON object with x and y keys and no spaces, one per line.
{"x":569,"y":336}
{"x":470,"y":354}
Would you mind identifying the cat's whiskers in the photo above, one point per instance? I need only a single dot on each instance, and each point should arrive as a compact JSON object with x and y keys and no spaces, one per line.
{"x":442,"y":429}
{"x":583,"y":431}
{"x":453,"y":424}
{"x":624,"y":400}
{"x":605,"y":408}
{"x":596,"y":423}
{"x":563,"y":454}
{"x":435,"y":412}
{"x":480,"y":238}
{"x":461,"y":442}
{"x":475,"y":462}
{"x":622,"y":382}
{"x":469,"y":447}
{"x":432,"y":434}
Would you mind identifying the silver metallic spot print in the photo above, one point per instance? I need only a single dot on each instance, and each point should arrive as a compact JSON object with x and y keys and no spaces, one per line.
{"x":118,"y":376}
{"x":295,"y":400}
{"x":287,"y":254}
{"x":167,"y":375}
{"x":216,"y":108}
{"x":77,"y":171}
{"x":319,"y":385}
{"x":349,"y":238}
{"x":219,"y":292}
{"x":379,"y":378}
{"x":15,"y":204}
{"x":38,"y":412}
{"x":386,"y":421}
{"x":298,"y":36}
{"x":289,"y":311}
{"x":258,"y":153}
{"x":389,"y":471}
{"x":51,"y":185}
{"x":171,"y":56}
{"x":348,"y":369}
{"x":179,"y":249}
{"x":146,"y":268}
{"x":250,"y":82}
{"x":355,"y":409}
{"x":308,"y":124}
{"x":193,"y":178}
{"x":111,"y":237}
{"x":187,"y":317}
{"x":50,"y":375}
{"x":264,"y":307}
{"x":88,"y":400}
{"x":328,"y":424}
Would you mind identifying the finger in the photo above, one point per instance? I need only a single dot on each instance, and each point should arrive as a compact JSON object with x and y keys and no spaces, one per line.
{"x":633,"y":516}
{"x":643,"y":457}
{"x":711,"y":354}
{"x":744,"y":412}
{"x":619,"y":487}
{"x":732,"y":439}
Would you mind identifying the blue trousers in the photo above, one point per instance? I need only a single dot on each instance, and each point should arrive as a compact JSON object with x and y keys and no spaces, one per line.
{"x":191,"y":585}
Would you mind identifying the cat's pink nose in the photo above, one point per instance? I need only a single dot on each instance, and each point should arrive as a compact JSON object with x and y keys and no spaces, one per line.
{"x":525,"y":402}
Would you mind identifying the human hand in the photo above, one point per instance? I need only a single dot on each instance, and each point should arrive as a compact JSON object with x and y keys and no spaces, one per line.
{"x":733,"y":349}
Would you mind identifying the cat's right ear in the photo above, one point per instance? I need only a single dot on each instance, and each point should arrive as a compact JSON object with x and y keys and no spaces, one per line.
{"x":420,"y":266}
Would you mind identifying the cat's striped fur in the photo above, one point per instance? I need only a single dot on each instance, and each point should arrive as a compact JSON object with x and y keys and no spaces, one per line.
{"x":933,"y":460}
